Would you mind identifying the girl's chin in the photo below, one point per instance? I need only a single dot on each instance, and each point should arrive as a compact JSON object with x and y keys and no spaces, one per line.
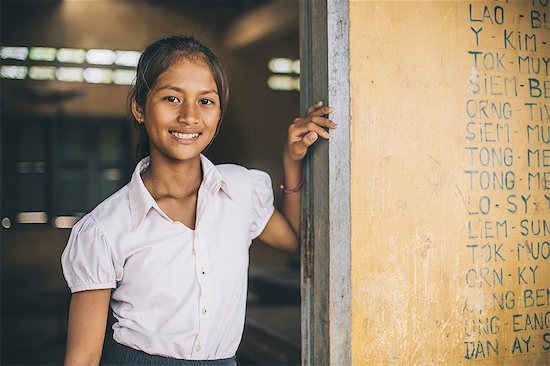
{"x":173,"y":149}
{"x":176,"y":154}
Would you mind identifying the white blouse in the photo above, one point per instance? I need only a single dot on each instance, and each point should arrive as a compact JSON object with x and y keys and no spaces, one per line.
{"x":178,"y":292}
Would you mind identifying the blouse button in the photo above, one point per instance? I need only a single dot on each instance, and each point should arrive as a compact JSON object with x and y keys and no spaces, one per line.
{"x":198,"y":347}
{"x":204,"y":310}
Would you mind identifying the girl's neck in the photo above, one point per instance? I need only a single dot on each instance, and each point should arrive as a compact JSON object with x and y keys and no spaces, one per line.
{"x":171,"y":178}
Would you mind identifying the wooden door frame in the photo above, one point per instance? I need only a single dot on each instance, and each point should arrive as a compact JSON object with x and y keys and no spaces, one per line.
{"x":326,"y":216}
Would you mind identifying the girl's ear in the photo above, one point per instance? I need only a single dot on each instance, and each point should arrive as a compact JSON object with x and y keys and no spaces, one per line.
{"x":137,"y":111}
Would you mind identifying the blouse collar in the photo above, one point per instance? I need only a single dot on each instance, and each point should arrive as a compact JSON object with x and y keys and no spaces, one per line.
{"x":141,"y":200}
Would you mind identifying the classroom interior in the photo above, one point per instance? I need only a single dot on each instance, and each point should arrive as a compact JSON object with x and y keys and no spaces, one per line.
{"x":67,"y":143}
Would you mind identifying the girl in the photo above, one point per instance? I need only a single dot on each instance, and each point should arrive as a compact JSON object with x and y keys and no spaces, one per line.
{"x":173,"y":243}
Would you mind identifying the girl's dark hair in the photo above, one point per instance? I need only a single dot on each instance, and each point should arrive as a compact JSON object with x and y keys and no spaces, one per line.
{"x":156,"y":59}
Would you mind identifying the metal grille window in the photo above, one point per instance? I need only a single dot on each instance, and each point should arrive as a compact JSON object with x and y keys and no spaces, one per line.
{"x":56,"y":170}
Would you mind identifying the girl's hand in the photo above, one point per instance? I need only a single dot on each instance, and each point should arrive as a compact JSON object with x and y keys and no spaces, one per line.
{"x":303,"y":132}
{"x":283,"y":231}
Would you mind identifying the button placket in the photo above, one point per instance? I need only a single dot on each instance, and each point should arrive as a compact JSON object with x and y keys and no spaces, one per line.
{"x":201,"y":264}
{"x":201,"y":261}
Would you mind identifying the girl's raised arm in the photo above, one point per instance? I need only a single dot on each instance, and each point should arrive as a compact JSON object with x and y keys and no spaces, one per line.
{"x":87,"y":324}
{"x":282,"y":230}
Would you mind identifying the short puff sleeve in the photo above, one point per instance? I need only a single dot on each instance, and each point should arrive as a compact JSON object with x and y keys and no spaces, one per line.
{"x":86,"y":260}
{"x":262,"y":201}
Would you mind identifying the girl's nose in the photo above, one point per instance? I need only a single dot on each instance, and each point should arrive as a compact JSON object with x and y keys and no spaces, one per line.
{"x":189,"y":114}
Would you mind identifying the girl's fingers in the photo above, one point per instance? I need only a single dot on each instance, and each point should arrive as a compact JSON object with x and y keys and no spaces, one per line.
{"x":321,"y":111}
{"x":300,"y":131}
{"x":323,"y":121}
{"x":303,"y":132}
{"x":314,"y":107}
{"x":320,"y":121}
{"x":300,"y":147}
{"x":309,"y":139}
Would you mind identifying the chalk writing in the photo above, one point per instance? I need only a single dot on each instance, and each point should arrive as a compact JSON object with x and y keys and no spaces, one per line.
{"x":506,"y":160}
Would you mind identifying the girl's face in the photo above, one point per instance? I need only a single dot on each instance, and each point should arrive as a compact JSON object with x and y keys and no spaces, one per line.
{"x":182,"y":111}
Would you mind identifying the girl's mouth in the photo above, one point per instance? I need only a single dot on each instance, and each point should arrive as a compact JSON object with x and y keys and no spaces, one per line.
{"x":184,"y":136}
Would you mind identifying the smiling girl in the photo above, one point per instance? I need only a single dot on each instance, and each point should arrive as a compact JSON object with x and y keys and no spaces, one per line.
{"x":169,"y":251}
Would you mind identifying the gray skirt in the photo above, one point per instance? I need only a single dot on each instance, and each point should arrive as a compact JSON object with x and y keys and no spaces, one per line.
{"x":118,"y":354}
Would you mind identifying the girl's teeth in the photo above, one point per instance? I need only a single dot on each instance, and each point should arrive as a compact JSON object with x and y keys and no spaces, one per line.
{"x":185,"y":135}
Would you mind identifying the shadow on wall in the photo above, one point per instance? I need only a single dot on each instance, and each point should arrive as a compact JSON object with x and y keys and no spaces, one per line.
{"x":37,"y":128}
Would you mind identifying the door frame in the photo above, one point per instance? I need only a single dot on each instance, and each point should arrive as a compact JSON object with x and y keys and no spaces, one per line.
{"x":326,"y":215}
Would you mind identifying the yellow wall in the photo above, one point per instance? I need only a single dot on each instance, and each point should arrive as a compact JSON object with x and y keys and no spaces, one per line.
{"x":425,"y":275}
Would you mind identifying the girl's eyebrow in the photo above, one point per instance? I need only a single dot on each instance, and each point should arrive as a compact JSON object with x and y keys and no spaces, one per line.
{"x":179,"y":90}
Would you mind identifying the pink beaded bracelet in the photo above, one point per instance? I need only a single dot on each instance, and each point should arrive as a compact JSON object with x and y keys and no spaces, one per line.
{"x":292,"y":190}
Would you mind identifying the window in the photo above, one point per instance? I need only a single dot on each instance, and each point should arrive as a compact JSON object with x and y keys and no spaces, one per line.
{"x":61,"y":169}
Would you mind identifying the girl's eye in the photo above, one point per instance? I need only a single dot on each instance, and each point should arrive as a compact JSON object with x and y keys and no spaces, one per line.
{"x":206,"y":101}
{"x":171,"y":99}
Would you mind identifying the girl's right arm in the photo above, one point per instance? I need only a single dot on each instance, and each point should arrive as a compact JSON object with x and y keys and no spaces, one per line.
{"x":87,"y":324}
